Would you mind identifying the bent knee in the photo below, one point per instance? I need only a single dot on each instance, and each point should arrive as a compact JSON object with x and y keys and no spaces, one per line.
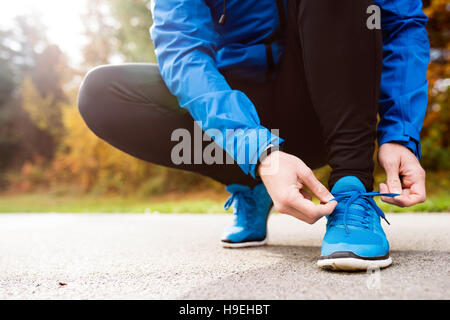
{"x":93,"y":91}
{"x":94,"y":84}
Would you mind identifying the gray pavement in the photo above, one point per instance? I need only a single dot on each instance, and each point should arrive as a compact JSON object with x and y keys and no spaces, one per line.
{"x":153,"y":256}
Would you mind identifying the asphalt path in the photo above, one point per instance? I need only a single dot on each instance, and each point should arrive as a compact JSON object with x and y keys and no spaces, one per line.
{"x":171,"y":256}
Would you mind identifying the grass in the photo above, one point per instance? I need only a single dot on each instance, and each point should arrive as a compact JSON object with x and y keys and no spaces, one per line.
{"x":434,"y":203}
{"x":42,"y":203}
{"x":201,"y":202}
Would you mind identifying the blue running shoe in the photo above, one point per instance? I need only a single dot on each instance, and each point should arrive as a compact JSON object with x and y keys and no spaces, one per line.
{"x":251,"y":211}
{"x":354,"y":239}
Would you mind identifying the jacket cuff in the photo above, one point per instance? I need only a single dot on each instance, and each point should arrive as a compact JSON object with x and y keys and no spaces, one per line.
{"x":405,"y":141}
{"x":273,"y":141}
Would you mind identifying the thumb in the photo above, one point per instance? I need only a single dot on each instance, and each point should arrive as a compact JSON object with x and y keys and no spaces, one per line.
{"x":317,"y":188}
{"x":393,"y":179}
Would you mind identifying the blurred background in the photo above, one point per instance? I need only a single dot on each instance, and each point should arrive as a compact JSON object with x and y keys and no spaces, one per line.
{"x":51,"y":162}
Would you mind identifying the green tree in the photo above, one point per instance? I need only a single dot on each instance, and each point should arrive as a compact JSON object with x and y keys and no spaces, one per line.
{"x":35,"y":72}
{"x":8,"y":85}
{"x":435,"y":134}
{"x":100,"y":30}
{"x":134,"y":20}
{"x":117,"y":30}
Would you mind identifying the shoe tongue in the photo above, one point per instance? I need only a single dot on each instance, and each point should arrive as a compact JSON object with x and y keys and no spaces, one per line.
{"x":348,"y":183}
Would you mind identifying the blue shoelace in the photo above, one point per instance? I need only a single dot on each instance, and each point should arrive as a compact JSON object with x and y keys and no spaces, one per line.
{"x":242,"y":199}
{"x":353,"y":216}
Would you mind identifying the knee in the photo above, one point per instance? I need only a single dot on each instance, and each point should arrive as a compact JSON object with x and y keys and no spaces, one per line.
{"x":93,"y":91}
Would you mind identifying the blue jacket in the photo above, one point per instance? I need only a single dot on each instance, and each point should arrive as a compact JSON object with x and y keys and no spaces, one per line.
{"x":192,"y":48}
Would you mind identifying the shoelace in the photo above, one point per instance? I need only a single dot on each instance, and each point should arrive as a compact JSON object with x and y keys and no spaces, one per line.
{"x":241,"y":199}
{"x":364,"y":199}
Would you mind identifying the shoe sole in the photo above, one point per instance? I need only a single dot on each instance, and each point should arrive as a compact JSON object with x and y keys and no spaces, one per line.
{"x":353,"y":263}
{"x":244,"y":244}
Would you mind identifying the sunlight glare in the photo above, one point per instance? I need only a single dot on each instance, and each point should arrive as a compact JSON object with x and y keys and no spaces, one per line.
{"x":61,"y":17}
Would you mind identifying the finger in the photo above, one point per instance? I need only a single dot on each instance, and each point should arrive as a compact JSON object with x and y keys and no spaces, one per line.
{"x":412,"y":196}
{"x":391,"y":200}
{"x":302,"y":208}
{"x":393,"y":179}
{"x":406,"y":199}
{"x":312,"y":211}
{"x":303,"y":217}
{"x":306,"y":194}
{"x":384,"y":189}
{"x":418,"y":188}
{"x":319,"y":190}
{"x":416,"y":193}
{"x":410,"y":200}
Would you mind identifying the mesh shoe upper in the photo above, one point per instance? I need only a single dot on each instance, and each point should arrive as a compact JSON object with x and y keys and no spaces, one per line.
{"x":354,"y":225}
{"x":251,"y":208}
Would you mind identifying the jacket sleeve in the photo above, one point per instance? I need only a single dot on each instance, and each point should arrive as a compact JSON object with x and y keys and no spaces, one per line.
{"x":185,"y":45}
{"x":404,"y":88}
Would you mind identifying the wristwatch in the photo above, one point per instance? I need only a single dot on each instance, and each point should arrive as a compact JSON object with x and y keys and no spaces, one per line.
{"x":270,"y":148}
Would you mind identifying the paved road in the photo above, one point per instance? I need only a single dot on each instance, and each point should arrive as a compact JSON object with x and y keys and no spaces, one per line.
{"x":178,"y":257}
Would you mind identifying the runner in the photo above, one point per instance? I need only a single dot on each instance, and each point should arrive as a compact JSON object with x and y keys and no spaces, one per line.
{"x":311,"y":69}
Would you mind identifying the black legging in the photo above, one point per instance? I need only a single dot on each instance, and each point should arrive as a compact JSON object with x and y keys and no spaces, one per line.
{"x":323,"y":98}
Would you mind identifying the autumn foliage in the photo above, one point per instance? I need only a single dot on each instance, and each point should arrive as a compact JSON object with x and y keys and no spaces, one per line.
{"x":44,"y":143}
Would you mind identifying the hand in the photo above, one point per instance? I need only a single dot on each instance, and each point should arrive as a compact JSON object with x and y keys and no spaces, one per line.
{"x":285,"y":176}
{"x":404,"y":174}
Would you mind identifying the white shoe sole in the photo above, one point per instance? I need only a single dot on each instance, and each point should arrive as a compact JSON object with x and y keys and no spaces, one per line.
{"x":244,"y":244}
{"x":353,"y":264}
